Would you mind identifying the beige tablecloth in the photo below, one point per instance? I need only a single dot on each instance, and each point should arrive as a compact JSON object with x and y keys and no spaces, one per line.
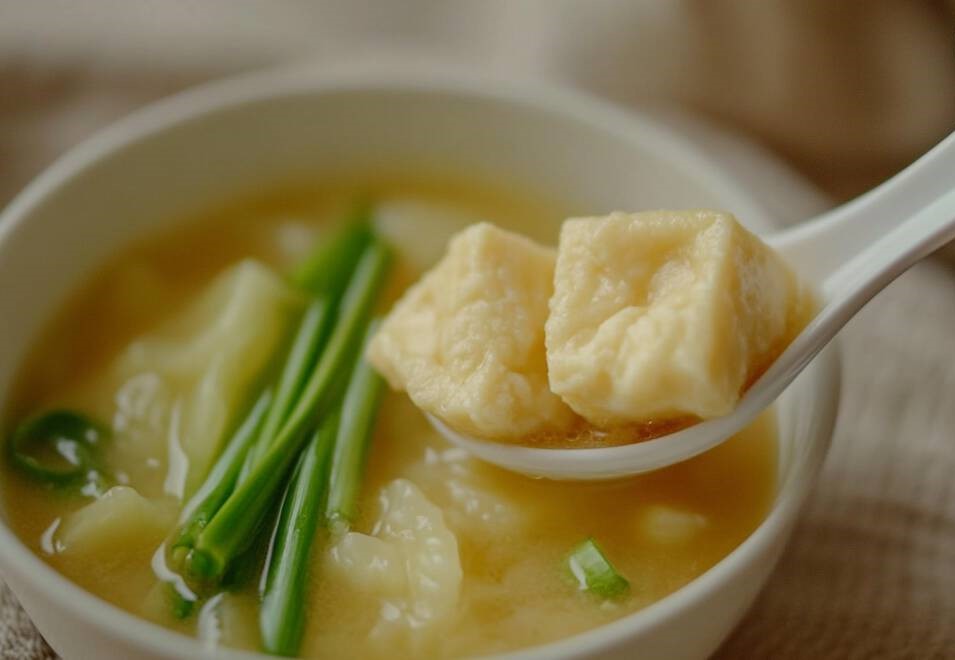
{"x":871,"y":570}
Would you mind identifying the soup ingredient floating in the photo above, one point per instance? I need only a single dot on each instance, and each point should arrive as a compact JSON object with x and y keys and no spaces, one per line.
{"x":61,"y":449}
{"x":642,"y":319}
{"x":309,"y":436}
{"x":295,"y":460}
{"x":594,"y":573}
{"x":232,"y":528}
{"x":329,"y":471}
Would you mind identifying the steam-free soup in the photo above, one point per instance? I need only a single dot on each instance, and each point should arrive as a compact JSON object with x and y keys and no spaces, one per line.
{"x":166,"y":348}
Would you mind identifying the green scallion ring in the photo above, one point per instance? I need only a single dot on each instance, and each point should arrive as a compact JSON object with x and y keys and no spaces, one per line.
{"x":57,"y":447}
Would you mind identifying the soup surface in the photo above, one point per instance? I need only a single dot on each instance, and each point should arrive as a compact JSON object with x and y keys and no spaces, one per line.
{"x":512,"y":534}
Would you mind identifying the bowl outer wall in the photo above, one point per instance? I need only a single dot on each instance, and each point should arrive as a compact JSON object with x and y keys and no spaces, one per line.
{"x":195,"y":143}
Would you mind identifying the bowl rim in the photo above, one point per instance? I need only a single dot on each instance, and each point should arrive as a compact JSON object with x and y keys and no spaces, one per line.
{"x":218,"y":96}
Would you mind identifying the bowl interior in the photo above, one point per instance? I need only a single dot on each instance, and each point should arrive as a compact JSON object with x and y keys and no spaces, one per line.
{"x":201,"y":148}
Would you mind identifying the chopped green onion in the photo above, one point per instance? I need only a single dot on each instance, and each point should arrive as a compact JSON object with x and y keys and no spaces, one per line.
{"x":182,"y":608}
{"x":325,"y":272}
{"x":349,"y":330}
{"x":333,"y":462}
{"x":301,"y":359}
{"x":351,"y":444}
{"x":221,"y":479}
{"x":233,"y":528}
{"x":59,"y":448}
{"x":594,"y":572}
{"x":282,"y":614}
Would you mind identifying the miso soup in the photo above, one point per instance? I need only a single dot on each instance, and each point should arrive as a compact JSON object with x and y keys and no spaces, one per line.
{"x":406,"y":546}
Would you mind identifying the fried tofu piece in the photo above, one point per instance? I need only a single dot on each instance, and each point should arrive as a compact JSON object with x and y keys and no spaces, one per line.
{"x":664,"y":314}
{"x":467,"y":341}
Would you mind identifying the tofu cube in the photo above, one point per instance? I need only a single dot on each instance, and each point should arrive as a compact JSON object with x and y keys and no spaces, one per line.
{"x":664,"y":314}
{"x":467,"y":341}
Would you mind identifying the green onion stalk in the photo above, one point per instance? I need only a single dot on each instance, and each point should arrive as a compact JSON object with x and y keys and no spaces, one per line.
{"x":331,"y":467}
{"x":233,"y":528}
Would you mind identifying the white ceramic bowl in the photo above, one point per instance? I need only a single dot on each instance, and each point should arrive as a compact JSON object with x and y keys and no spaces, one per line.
{"x":228,"y":138}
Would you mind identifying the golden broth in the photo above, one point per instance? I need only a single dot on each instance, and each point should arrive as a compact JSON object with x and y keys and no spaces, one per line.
{"x":513,"y":533}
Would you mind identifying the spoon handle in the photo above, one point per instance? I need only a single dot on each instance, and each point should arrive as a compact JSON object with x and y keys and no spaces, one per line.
{"x":855,"y":251}
{"x":871,"y":269}
{"x":825,"y":248}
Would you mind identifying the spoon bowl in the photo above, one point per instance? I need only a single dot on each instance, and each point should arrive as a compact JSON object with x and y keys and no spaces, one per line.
{"x":850,"y":254}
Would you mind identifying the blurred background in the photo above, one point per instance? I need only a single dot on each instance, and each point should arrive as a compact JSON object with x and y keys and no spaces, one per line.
{"x":846,"y":92}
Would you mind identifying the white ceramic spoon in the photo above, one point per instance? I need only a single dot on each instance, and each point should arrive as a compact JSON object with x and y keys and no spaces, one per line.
{"x":851,"y":253}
